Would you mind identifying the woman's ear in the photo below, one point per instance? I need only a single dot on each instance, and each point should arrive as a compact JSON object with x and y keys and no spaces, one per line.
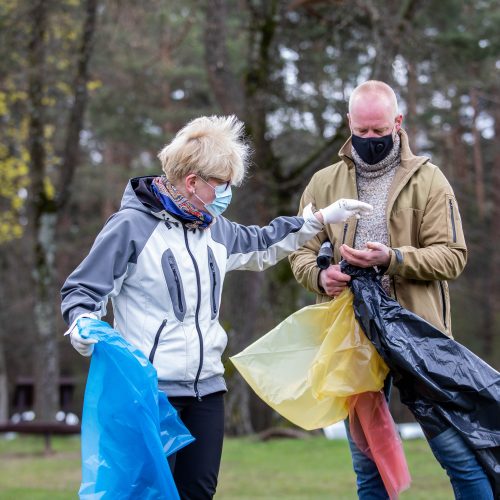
{"x":190,"y":183}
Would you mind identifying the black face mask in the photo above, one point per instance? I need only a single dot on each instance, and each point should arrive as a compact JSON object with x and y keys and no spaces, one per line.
{"x":372,"y":149}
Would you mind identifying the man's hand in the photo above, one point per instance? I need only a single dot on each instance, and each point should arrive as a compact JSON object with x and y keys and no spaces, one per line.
{"x":376,"y":254}
{"x":333,"y":280}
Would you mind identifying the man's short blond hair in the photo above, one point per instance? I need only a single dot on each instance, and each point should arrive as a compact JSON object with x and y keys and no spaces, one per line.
{"x":209,"y":146}
{"x":377,"y":89}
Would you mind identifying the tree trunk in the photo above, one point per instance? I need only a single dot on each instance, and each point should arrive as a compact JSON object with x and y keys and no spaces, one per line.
{"x":245,"y":296}
{"x":4,"y":386}
{"x":388,"y":32}
{"x":46,"y":210}
{"x":492,"y":256}
{"x":222,"y":81}
{"x":478,"y":158}
{"x":44,"y":219}
{"x":80,"y":96}
{"x":411,"y":115}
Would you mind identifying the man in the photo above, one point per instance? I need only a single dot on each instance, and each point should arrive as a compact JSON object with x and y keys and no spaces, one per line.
{"x":414,"y":233}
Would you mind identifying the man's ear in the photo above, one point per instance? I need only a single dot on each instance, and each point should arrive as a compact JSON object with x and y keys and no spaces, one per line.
{"x":399,"y":121}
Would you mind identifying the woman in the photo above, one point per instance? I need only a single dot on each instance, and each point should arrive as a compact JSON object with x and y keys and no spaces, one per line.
{"x":162,"y":259}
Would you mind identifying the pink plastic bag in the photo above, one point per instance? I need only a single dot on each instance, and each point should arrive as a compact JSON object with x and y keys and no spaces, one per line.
{"x":374,"y":432}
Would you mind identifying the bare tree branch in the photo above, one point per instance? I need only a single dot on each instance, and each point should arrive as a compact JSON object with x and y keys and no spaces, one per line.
{"x":325,"y":155}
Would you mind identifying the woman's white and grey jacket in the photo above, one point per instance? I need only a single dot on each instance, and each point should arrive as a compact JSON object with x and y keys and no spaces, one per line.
{"x":165,"y":283}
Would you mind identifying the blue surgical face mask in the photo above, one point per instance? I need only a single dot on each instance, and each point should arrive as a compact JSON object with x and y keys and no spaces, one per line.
{"x":223,"y":195}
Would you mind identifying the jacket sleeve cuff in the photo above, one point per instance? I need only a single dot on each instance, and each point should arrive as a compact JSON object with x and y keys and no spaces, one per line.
{"x":308,"y":216}
{"x":315,"y":286}
{"x":396,"y":261}
{"x":83,"y":314}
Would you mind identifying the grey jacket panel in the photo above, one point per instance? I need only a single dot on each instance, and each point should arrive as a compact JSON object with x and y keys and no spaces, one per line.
{"x":205,"y":387}
{"x":255,"y":248}
{"x":102,"y":272}
{"x":244,"y":239}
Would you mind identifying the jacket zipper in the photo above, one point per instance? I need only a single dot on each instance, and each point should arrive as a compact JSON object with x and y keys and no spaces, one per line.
{"x":392,"y":278}
{"x":213,"y":288}
{"x":394,"y":288}
{"x":157,"y":339}
{"x":196,"y":319}
{"x":178,"y":284}
{"x":345,"y":233}
{"x":443,"y":297}
{"x":453,"y":223}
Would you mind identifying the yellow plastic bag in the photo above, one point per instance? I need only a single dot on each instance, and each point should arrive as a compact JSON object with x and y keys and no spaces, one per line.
{"x":308,"y":366}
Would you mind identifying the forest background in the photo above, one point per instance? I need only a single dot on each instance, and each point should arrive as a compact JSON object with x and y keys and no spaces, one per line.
{"x":90,"y":90}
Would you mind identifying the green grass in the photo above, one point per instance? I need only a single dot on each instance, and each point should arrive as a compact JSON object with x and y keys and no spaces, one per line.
{"x":289,"y":469}
{"x":314,"y":469}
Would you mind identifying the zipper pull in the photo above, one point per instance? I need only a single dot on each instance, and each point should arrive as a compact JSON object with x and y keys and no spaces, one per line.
{"x":198,"y":397}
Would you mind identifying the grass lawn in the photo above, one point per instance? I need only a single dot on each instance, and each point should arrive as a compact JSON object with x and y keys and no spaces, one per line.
{"x":313,"y":469}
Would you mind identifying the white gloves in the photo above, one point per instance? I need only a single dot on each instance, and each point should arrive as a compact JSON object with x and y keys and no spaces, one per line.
{"x":84,"y":346}
{"x":342,"y":209}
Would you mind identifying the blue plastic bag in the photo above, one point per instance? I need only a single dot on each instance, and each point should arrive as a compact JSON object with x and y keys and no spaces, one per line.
{"x":128,"y":426}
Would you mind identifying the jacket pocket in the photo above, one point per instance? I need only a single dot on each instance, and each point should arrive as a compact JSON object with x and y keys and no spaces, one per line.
{"x":443,"y":287}
{"x":215,"y":283}
{"x":157,"y":339}
{"x":455,"y":231}
{"x":174,"y":284}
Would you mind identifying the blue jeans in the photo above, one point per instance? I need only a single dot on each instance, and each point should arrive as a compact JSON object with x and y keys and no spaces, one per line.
{"x":466,"y":474}
{"x":467,"y":477}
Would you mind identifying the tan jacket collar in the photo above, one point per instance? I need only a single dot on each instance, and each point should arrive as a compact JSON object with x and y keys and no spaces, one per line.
{"x":409,"y":161}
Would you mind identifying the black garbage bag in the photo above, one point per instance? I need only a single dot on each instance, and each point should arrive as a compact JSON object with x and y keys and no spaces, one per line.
{"x":439,"y":380}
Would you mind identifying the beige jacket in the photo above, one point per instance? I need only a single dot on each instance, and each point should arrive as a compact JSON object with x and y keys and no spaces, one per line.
{"x":424,"y":225}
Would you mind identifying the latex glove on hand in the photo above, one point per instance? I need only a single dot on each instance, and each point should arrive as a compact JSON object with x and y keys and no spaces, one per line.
{"x":344,"y":208}
{"x":84,"y":346}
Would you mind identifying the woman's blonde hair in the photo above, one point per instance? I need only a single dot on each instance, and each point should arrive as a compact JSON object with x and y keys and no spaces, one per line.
{"x":209,"y":146}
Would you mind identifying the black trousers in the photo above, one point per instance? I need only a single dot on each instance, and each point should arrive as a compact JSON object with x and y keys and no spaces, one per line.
{"x":196,"y":467}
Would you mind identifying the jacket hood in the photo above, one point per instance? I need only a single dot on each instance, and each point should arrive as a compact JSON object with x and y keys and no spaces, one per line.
{"x":138,"y":196}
